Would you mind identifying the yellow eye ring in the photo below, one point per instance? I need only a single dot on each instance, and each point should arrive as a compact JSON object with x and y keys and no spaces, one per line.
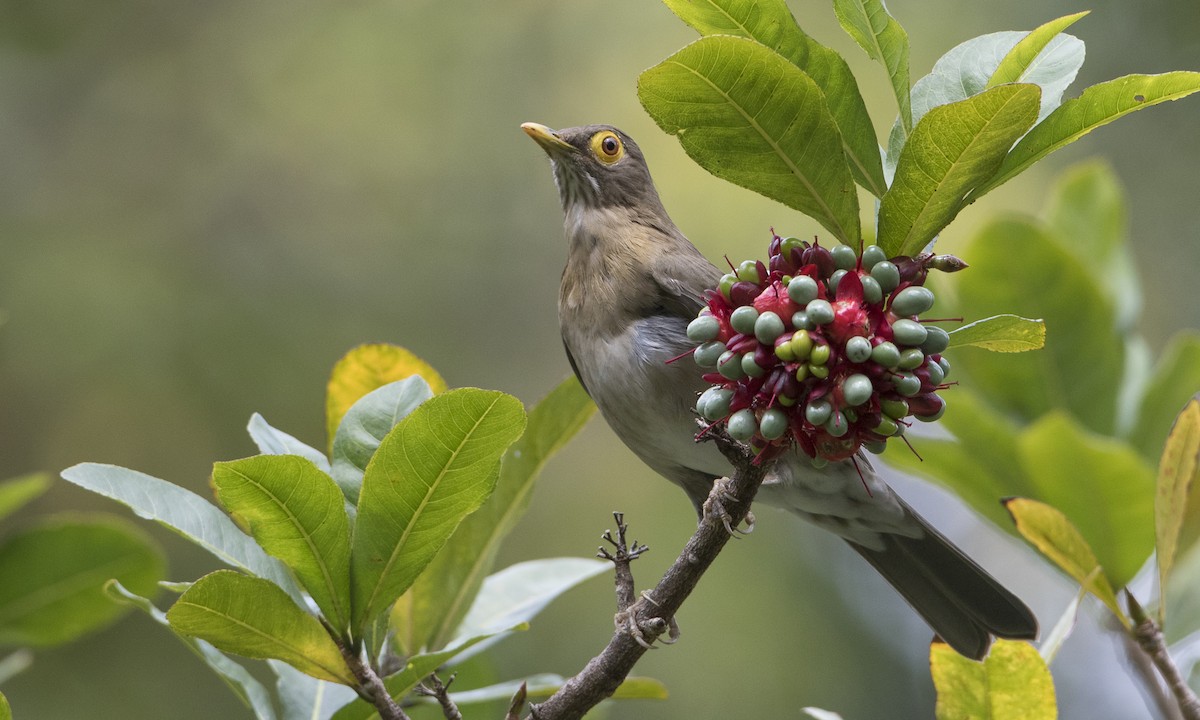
{"x":607,"y":147}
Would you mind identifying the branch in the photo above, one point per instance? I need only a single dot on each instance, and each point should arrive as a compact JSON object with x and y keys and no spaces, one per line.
{"x":433,"y":687}
{"x":731,"y":499}
{"x":1150,"y":638}
{"x":370,"y":687}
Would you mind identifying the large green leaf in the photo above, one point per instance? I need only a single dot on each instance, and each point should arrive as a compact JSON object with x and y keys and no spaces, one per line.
{"x":186,"y":513}
{"x":1177,"y":500}
{"x":1098,"y":105}
{"x":271,"y":441}
{"x":770,"y":23}
{"x":252,"y":617}
{"x":296,"y":513}
{"x":884,"y":40}
{"x":1175,"y":379}
{"x":1017,"y":268}
{"x":1025,"y":58}
{"x":237,"y":678}
{"x":54,"y":575}
{"x":951,"y":150}
{"x":1012,"y":683}
{"x":365,"y":424}
{"x":1001,"y":333}
{"x":428,"y":615}
{"x":749,"y":116}
{"x":432,"y":470}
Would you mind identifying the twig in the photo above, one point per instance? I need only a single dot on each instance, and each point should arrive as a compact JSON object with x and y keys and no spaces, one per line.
{"x":1150,"y":638}
{"x":622,"y":557}
{"x":605,"y":672}
{"x":433,"y":687}
{"x":370,"y":688}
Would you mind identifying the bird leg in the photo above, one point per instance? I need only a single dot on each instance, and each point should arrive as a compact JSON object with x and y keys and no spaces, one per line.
{"x":714,"y":506}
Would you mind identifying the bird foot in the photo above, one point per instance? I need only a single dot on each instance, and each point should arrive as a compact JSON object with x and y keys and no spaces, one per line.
{"x":654,"y":628}
{"x":715,"y":506}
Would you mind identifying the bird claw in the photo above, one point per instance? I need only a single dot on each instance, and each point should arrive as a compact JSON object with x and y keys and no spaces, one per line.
{"x":715,"y":506}
{"x":655,"y":627}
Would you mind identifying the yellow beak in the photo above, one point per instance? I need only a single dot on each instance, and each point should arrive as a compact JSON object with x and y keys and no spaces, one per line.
{"x":544,"y":136}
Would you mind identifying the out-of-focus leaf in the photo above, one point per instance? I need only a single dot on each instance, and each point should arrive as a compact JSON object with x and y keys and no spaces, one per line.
{"x":16,"y":492}
{"x":884,"y":40}
{"x":1053,"y":534}
{"x":544,"y":685}
{"x":365,"y":368}
{"x":1001,"y":333}
{"x":1175,"y":379}
{"x":1103,"y":487}
{"x":1012,"y":683}
{"x":296,"y":514}
{"x":5,"y":708}
{"x":749,"y":116}
{"x":188,"y":514}
{"x":1065,"y":624}
{"x":303,"y":697}
{"x":427,"y":616}
{"x":1022,"y":60}
{"x":271,"y":441}
{"x":433,"y":469}
{"x":770,"y":23}
{"x":820,"y":714}
{"x":54,"y":576}
{"x":951,"y":150}
{"x":1098,"y":105}
{"x":240,"y":681}
{"x":366,"y":423}
{"x":252,"y":617}
{"x":1177,"y":500}
{"x":15,"y":663}
{"x":1016,"y":268}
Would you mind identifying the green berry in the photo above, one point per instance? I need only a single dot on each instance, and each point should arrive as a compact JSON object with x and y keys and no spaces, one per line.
{"x":887,"y":275}
{"x":907,"y":384}
{"x":857,"y":389}
{"x":911,"y":359}
{"x":937,"y":415}
{"x":819,"y":355}
{"x":748,"y":272}
{"x":820,"y":372}
{"x":844,"y":257}
{"x":786,"y":401}
{"x":886,"y":354}
{"x":875,"y":446}
{"x":742,"y":425}
{"x":789,"y":244}
{"x":872,"y":256}
{"x":802,"y":345}
{"x":783,"y":349}
{"x":820,"y":312}
{"x":817,"y":412}
{"x":834,"y":279}
{"x":802,"y":289}
{"x":893,"y":408}
{"x":800,"y":321}
{"x":767,"y":327}
{"x":742,"y":320}
{"x":819,"y":462}
{"x":858,"y":349}
{"x":936,"y":340}
{"x":730,"y":365}
{"x":703,"y":329}
{"x":886,"y":427}
{"x":872,"y":293}
{"x":801,"y":373}
{"x":936,"y":376}
{"x":945,"y":365}
{"x":836,"y":425}
{"x":750,"y":367}
{"x":727,"y":281}
{"x":912,"y":300}
{"x":706,"y":355}
{"x":909,"y":332}
{"x":774,"y":424}
{"x":714,"y":403}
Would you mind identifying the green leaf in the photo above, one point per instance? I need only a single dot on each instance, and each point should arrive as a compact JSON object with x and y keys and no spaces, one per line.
{"x":366,"y":368}
{"x":304,"y":696}
{"x":1001,"y":333}
{"x":54,"y":576}
{"x":749,"y":116}
{"x":1053,"y":641}
{"x":1103,"y":487}
{"x":771,"y":24}
{"x":16,"y":492}
{"x":1012,"y":683}
{"x":365,"y":424}
{"x":1098,"y":105}
{"x":433,"y":469}
{"x":1022,"y":59}
{"x":820,"y":714}
{"x":188,"y":514}
{"x":878,"y":33}
{"x":1175,"y":378}
{"x":1054,"y":536}
{"x":15,"y":663}
{"x":296,"y":514}
{"x":544,"y":685}
{"x":249,"y":690}
{"x":1017,"y":268}
{"x":428,"y":615}
{"x":252,"y":617}
{"x":276,"y":442}
{"x":1177,"y":500}
{"x":952,"y":149}
{"x":5,"y":708}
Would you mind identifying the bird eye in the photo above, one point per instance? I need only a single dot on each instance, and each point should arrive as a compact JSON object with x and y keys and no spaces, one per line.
{"x":607,"y":147}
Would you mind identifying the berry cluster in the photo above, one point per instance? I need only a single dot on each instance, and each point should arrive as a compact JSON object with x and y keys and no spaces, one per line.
{"x":821,"y":347}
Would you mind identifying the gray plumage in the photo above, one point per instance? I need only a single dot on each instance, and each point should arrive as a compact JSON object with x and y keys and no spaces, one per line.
{"x":631,"y":285}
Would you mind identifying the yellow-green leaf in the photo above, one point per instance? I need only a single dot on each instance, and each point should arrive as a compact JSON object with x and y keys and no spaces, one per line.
{"x":884,"y":40}
{"x":1021,"y":58}
{"x":17,"y":491}
{"x":1054,"y":536}
{"x":1001,"y":333}
{"x":1012,"y":683}
{"x":1177,"y":500}
{"x":367,"y":367}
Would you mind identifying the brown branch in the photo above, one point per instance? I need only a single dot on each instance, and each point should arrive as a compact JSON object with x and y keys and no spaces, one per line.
{"x":370,"y":687}
{"x":604,"y":673}
{"x":433,"y":687}
{"x":1150,"y":638}
{"x":621,"y":557}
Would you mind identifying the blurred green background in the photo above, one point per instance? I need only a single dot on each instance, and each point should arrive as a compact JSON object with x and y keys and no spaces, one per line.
{"x":204,"y":205}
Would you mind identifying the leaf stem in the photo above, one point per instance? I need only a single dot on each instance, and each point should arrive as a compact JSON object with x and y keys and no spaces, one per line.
{"x":1149,"y":638}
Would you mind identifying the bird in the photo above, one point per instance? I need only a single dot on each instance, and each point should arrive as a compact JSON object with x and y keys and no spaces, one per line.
{"x":631,"y":284}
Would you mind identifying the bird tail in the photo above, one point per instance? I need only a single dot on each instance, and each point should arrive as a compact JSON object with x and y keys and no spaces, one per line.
{"x":963,"y":604}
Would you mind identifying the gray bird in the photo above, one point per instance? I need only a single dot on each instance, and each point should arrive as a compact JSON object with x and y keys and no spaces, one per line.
{"x":631,"y":285}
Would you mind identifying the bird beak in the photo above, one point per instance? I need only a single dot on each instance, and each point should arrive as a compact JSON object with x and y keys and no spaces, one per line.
{"x":550,"y":142}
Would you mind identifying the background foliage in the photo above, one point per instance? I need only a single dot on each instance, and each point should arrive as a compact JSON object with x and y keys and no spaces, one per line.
{"x":204,"y":206}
